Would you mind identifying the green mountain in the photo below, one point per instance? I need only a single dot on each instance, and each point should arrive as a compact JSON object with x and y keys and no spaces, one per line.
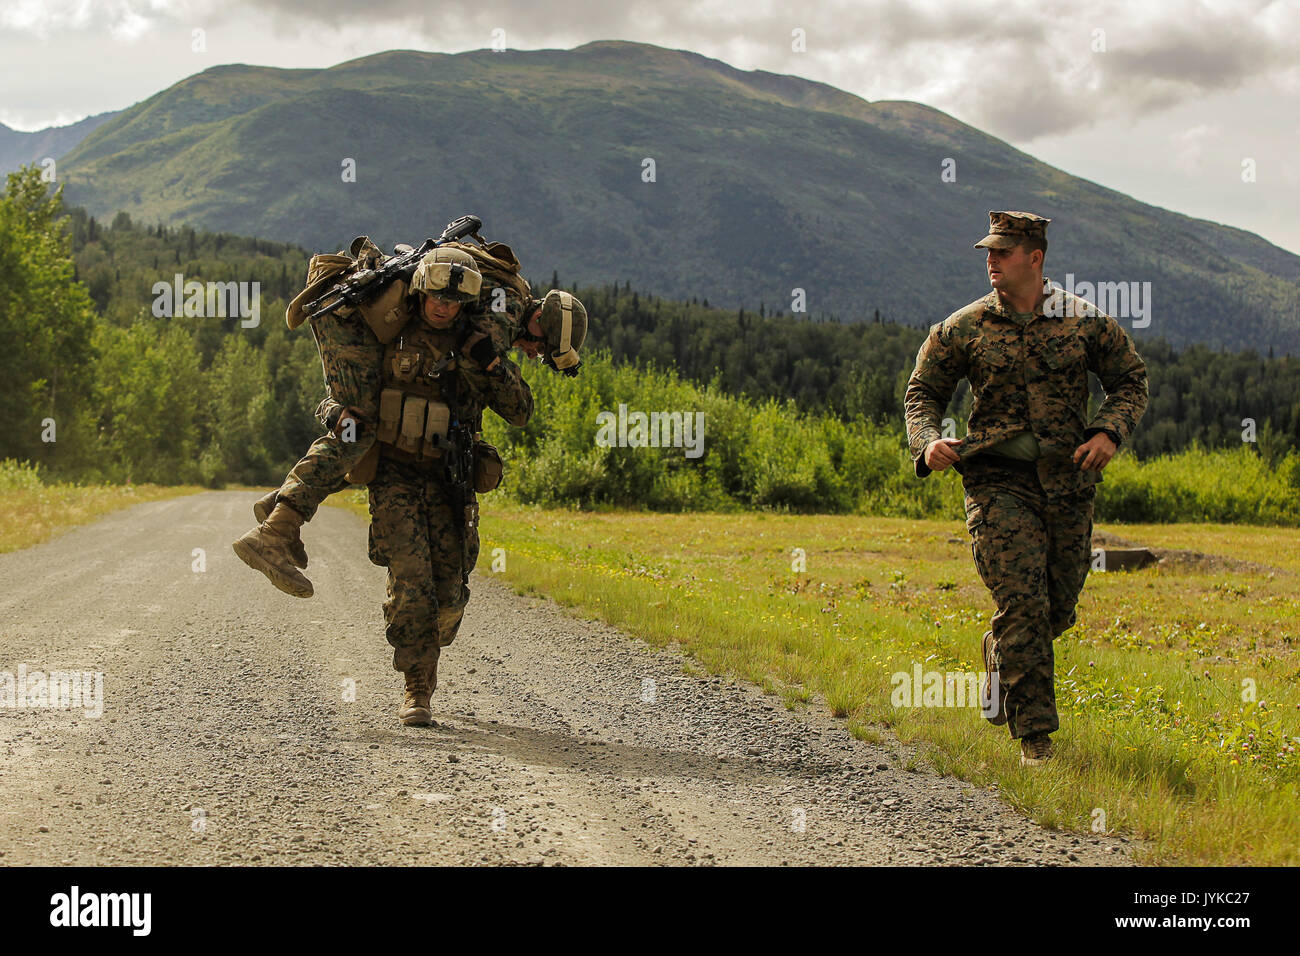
{"x":18,"y":148}
{"x":763,"y":184}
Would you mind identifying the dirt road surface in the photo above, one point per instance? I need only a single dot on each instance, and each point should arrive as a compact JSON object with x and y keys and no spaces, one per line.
{"x":243,"y":726}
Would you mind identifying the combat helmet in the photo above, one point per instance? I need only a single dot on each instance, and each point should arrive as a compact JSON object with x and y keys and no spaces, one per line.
{"x":563,"y":320}
{"x":448,"y":273}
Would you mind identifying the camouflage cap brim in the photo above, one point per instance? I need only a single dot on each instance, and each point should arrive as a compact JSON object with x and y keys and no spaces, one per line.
{"x":998,"y":242}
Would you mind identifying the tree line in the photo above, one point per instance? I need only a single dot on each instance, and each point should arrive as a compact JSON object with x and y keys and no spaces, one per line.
{"x":109,"y":391}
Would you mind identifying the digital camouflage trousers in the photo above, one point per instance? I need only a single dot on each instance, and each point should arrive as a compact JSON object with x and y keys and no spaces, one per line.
{"x":416,"y":532}
{"x":352,"y":360}
{"x":1033,"y":553}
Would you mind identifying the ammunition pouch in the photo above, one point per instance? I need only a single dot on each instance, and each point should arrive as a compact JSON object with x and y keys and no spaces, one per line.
{"x":488,"y":467}
{"x":412,"y":427}
{"x":410,"y":434}
{"x":364,"y":471}
{"x":437,"y":422}
{"x":390,"y":415}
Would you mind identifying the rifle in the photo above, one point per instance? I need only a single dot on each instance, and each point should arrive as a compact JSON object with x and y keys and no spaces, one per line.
{"x":365,"y":285}
{"x":458,"y":471}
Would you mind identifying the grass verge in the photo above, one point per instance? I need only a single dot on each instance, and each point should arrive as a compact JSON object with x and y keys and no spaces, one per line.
{"x":1177,"y":689}
{"x":32,"y":511}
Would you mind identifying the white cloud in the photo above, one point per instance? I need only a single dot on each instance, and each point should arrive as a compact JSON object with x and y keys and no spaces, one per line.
{"x":120,"y":19}
{"x":1189,"y":147}
{"x":1024,"y":70}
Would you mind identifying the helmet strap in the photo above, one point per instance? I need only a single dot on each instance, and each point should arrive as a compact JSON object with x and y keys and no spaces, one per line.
{"x":564,"y":356}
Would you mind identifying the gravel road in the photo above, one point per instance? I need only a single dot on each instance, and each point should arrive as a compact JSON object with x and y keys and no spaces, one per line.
{"x":243,"y":726}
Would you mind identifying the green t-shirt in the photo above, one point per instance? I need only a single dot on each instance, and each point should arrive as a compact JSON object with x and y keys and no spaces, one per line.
{"x":1023,"y":446}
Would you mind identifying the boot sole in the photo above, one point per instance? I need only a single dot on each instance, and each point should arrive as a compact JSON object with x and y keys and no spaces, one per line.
{"x":299,"y":553}
{"x":273,"y":574}
{"x":417,"y":717}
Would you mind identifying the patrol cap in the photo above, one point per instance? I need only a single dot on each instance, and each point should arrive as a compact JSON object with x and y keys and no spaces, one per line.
{"x":1010,"y":229}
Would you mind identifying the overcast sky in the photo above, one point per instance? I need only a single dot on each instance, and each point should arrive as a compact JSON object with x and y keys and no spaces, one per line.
{"x":1164,"y":100}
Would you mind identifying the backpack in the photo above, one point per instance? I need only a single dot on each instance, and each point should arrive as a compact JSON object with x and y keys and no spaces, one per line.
{"x":326,"y":269}
{"x":499,"y":267}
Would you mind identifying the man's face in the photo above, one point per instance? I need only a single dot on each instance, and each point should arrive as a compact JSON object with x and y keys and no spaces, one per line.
{"x":440,"y":313}
{"x":1011,"y":268}
{"x":532,"y":348}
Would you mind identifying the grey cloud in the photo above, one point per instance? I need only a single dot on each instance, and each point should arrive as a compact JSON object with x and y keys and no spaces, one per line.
{"x":1021,"y":69}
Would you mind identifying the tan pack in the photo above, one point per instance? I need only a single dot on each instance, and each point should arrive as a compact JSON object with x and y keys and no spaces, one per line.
{"x":499,"y":266}
{"x":323,"y":271}
{"x":326,"y":269}
{"x":387,"y":314}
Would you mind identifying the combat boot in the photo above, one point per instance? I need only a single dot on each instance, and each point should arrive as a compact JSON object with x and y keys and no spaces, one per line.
{"x":420,"y":682}
{"x":999,"y":716}
{"x":1035,"y":749}
{"x":267,"y":549}
{"x":263,"y":507}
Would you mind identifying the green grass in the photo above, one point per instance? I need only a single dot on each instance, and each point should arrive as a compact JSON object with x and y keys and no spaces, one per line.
{"x":1155,"y":732}
{"x":32,"y":511}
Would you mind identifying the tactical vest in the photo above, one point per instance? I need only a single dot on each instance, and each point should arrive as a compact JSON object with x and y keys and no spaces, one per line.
{"x":415,"y":402}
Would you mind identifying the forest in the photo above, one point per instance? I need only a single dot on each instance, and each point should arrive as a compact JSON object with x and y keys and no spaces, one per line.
{"x":108,"y":391}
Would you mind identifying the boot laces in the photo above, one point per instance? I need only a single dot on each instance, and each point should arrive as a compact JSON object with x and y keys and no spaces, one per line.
{"x":417,"y":682}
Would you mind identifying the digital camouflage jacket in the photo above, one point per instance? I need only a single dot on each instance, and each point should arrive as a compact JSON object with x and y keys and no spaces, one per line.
{"x":1028,"y":378}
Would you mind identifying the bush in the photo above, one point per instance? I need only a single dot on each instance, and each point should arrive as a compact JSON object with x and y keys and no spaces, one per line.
{"x":19,"y":476}
{"x":1235,"y":486}
{"x":771,"y":455}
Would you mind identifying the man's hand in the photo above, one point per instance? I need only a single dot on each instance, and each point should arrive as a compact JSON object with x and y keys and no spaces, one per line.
{"x":482,"y":350}
{"x":1095,"y":453}
{"x":941,"y":453}
{"x":347,"y":415}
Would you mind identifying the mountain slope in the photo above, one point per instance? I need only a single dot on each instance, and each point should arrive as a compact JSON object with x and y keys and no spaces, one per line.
{"x":764,"y":184}
{"x":18,"y":148}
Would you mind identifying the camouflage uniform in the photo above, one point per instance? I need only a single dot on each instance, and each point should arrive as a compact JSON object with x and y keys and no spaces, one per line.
{"x":416,"y":524}
{"x":351,"y":358}
{"x":1030,"y":521}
